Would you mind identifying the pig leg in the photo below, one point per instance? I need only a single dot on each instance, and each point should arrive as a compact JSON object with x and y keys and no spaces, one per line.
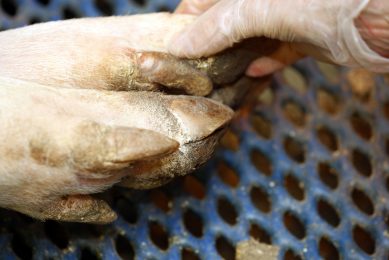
{"x":49,"y":154}
{"x":118,"y":53}
{"x":60,"y":144}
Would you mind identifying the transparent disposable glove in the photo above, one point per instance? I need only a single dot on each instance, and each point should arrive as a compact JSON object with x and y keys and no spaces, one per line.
{"x":329,"y":30}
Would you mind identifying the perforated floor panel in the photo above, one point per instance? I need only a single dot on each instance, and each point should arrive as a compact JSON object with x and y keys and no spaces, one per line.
{"x":307,"y":170}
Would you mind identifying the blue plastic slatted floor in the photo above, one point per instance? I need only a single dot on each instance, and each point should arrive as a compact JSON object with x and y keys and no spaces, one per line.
{"x":307,"y":171}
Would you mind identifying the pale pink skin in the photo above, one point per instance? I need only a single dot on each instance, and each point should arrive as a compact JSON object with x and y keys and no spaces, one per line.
{"x":65,"y":129}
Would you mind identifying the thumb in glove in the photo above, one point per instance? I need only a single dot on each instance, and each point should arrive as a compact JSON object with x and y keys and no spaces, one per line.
{"x":325,"y":29}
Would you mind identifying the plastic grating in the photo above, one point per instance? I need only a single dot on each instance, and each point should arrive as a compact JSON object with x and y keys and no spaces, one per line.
{"x":307,"y":171}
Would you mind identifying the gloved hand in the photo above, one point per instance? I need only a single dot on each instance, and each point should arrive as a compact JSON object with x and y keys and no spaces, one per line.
{"x":75,"y":117}
{"x":329,"y":30}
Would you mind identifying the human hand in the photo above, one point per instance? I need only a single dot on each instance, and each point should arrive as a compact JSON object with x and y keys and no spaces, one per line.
{"x":325,"y":30}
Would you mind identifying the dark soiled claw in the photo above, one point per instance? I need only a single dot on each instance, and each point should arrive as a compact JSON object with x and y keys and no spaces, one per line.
{"x":162,"y":69}
{"x":201,"y":122}
{"x":199,"y":76}
{"x":244,"y":90}
{"x":229,"y":65}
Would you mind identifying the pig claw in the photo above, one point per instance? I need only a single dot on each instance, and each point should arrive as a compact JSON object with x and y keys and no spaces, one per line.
{"x":200,"y":122}
{"x":100,"y":147}
{"x":77,"y":208}
{"x":242,"y":91}
{"x":162,"y":69}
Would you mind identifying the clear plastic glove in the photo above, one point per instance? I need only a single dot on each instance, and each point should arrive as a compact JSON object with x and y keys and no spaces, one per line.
{"x":329,"y":30}
{"x":75,"y":121}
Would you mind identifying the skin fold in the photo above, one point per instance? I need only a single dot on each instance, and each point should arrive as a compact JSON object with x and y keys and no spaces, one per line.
{"x":85,"y":104}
